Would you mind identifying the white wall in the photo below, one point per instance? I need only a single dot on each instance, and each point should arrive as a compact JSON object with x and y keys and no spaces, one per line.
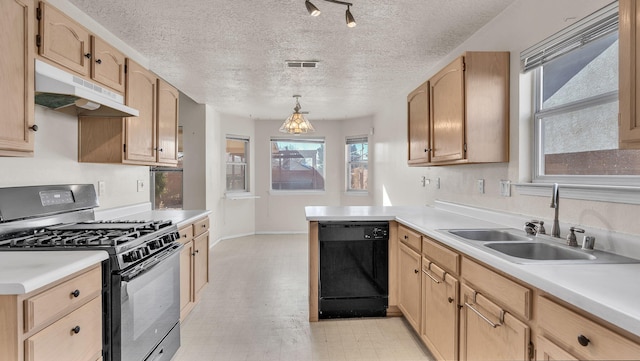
{"x":56,"y":162}
{"x":285,"y":212}
{"x":521,"y":25}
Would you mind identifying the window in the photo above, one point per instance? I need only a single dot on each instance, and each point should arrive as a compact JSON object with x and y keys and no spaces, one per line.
{"x":167,"y":190}
{"x":576,"y":105}
{"x":357,"y":154}
{"x":297,"y":164}
{"x":237,"y":155}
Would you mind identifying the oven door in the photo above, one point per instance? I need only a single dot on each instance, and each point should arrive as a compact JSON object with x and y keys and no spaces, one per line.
{"x":149,"y":308}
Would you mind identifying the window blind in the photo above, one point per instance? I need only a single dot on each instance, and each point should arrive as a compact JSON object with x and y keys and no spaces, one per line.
{"x":601,"y":23}
{"x":357,"y":140}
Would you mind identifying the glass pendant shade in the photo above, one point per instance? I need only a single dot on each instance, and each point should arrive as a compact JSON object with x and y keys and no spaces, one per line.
{"x":351,"y":22}
{"x":296,"y":123}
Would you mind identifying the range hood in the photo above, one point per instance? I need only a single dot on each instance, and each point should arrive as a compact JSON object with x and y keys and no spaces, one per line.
{"x":63,"y":91}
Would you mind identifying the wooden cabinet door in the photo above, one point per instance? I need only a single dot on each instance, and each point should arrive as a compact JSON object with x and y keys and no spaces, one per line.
{"x":447,"y":112}
{"x":409,"y":282}
{"x":439,"y":311}
{"x":107,"y":66}
{"x":487,"y":332}
{"x":201,"y":263}
{"x":548,"y":351}
{"x":64,"y":41}
{"x":418,"y":125}
{"x":186,"y":281}
{"x":629,"y":75}
{"x":140,"y":134}
{"x":168,"y":99}
{"x":17,"y":74}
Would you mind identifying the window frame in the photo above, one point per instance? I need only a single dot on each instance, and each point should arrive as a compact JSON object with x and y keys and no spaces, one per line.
{"x":348,"y":164}
{"x":247,"y":141}
{"x":319,"y":140}
{"x":605,"y":188}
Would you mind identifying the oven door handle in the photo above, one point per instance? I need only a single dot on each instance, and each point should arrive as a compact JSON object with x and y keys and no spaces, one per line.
{"x":148,"y":265}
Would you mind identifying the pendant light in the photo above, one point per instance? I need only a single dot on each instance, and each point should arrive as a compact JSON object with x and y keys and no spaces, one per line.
{"x":296,"y":123}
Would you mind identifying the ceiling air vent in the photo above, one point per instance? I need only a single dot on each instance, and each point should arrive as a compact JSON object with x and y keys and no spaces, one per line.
{"x":301,"y":63}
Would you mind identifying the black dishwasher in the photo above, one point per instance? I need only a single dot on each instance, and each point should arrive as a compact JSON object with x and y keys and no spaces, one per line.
{"x":354,"y":269}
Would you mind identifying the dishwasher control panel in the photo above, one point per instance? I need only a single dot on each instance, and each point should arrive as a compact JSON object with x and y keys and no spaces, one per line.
{"x":353,"y":231}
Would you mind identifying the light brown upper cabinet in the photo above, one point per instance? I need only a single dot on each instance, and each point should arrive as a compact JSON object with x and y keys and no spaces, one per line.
{"x":148,"y":139}
{"x":141,"y":94}
{"x":67,"y":43}
{"x":629,"y":76}
{"x":167,"y":143}
{"x":469,"y":110}
{"x":418,"y":125}
{"x":17,"y":85}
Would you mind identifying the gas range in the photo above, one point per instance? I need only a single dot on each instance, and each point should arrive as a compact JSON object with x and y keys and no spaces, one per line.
{"x":141,"y":274}
{"x":128,"y":242}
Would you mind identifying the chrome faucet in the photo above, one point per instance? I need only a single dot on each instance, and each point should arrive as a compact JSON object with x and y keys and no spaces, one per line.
{"x":555,"y":203}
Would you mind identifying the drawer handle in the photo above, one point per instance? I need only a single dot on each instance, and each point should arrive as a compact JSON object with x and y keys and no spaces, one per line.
{"x":430,"y":276}
{"x":583,"y":340}
{"x":76,"y":330}
{"x":75,"y":293}
{"x":487,"y":320}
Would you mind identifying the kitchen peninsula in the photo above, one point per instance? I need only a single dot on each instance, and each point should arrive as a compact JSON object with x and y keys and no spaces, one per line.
{"x":539,"y":303}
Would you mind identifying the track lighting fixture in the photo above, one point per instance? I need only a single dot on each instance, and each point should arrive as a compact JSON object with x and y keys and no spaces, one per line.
{"x":314,"y":11}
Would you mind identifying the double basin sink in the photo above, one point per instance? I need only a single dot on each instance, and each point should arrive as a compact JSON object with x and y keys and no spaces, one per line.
{"x":517,"y":247}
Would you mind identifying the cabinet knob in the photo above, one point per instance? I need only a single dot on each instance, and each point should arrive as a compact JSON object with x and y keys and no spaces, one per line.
{"x":416,"y":271}
{"x":75,"y":293}
{"x":76,"y":330}
{"x":583,"y":340}
{"x":34,"y":127}
{"x":406,"y":237}
{"x":87,"y":55}
{"x":99,"y":61}
{"x":193,"y":254}
{"x":450,"y":300}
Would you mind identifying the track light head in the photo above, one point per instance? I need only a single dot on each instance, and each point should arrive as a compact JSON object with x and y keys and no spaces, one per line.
{"x":312,"y":9}
{"x":351,"y":22}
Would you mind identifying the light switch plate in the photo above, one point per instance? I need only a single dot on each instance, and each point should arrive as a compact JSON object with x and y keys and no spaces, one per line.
{"x":140,"y":185}
{"x":102,"y":188}
{"x":505,"y":188}
{"x":480,"y":186}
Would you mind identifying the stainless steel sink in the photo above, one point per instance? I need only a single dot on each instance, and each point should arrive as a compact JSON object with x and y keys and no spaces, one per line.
{"x":540,"y":251}
{"x":488,"y":235}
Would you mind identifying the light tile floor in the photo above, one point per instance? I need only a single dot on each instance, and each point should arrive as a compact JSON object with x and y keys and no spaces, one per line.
{"x":255,"y":308}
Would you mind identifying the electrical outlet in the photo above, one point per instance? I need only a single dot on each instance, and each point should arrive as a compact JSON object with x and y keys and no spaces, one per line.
{"x":102,"y":188}
{"x":140,"y":185}
{"x":480,"y":186}
{"x":424,"y":181}
{"x":505,"y":188}
{"x":438,"y":183}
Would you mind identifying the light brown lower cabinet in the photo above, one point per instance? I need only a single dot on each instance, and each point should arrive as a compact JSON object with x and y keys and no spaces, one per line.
{"x":439,"y":311}
{"x":194,"y":263}
{"x":409,"y":282}
{"x":60,"y":322}
{"x":487,"y":332}
{"x":549,"y":351}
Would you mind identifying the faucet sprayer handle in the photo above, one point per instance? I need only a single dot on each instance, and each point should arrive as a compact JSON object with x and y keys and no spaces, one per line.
{"x":571,"y":237}
{"x":540,"y":227}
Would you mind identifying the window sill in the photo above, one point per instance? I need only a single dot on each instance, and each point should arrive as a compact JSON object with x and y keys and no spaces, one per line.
{"x":296,"y":193}
{"x":356,"y":193}
{"x":613,"y":194}
{"x":237,"y":196}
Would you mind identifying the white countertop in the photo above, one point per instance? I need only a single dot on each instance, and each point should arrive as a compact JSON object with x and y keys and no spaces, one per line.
{"x":608,"y":291}
{"x":25,"y":271}
{"x":143,"y":212}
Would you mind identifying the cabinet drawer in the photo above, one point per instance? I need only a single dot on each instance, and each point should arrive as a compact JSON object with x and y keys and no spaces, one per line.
{"x":186,"y":234}
{"x":441,"y":255}
{"x":201,"y":226}
{"x":565,"y":326}
{"x":410,"y":238}
{"x":507,"y":293}
{"x":59,"y":341}
{"x":62,"y":298}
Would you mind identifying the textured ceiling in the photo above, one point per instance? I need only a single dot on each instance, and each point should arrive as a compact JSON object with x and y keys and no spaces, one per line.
{"x":231,"y":54}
